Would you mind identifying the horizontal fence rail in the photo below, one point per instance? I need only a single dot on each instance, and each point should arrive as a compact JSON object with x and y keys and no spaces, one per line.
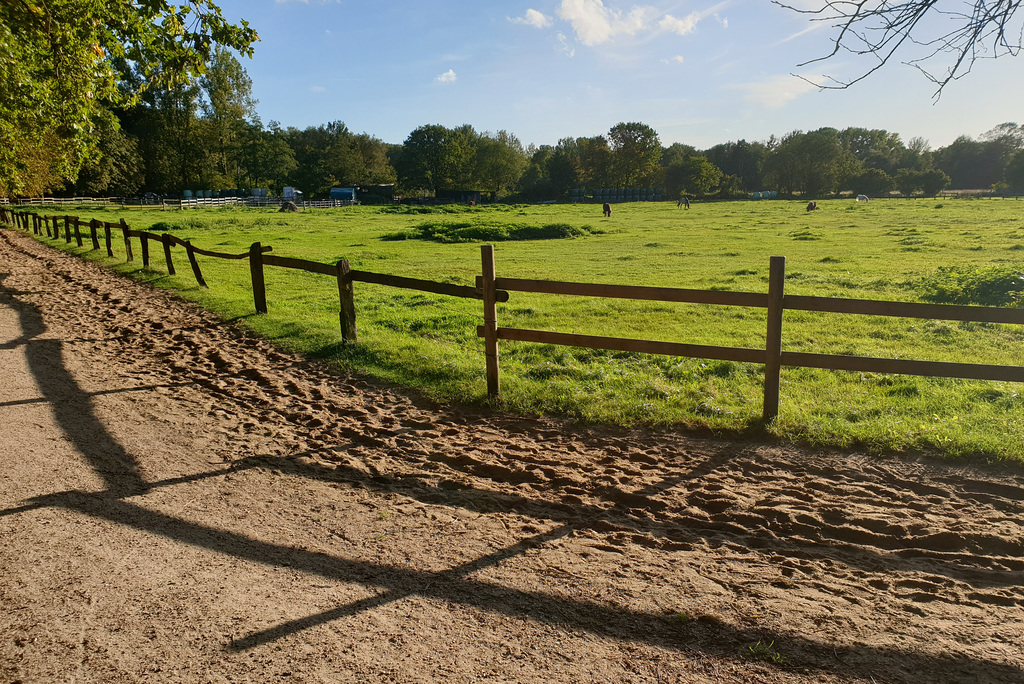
{"x":776,"y":302}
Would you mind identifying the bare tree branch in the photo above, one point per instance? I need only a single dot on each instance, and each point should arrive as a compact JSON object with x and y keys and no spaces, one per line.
{"x":942,"y":40}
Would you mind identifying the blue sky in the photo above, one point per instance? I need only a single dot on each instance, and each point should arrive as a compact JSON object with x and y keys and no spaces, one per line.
{"x":699,"y":73}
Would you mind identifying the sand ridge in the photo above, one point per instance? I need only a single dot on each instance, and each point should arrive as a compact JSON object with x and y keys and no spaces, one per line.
{"x":179,"y":501}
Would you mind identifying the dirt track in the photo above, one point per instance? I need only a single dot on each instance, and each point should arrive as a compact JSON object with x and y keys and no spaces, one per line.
{"x":182,"y":503}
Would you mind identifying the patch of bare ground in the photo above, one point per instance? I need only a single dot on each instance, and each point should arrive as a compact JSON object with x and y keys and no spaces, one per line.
{"x":179,"y":502}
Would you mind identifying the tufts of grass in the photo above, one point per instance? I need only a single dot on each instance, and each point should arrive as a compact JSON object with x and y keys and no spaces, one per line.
{"x":989,"y":286}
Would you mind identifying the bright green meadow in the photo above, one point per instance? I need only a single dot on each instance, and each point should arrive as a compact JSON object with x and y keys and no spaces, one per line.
{"x":966,"y":251}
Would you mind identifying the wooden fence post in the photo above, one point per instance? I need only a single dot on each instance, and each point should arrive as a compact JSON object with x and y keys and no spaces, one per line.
{"x":78,"y":231}
{"x":67,"y":229}
{"x":94,"y":226}
{"x":490,"y":320}
{"x":56,"y":227}
{"x":166,"y":239}
{"x":107,"y":238}
{"x":773,"y":338}
{"x":259,"y":285}
{"x":128,"y":254}
{"x":347,"y":298}
{"x":144,"y":239}
{"x":195,"y":264}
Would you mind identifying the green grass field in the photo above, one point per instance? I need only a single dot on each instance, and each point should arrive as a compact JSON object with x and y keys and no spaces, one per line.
{"x":963,"y":251}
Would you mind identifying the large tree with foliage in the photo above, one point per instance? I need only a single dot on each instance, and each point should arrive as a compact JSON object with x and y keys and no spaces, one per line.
{"x":229,"y":110}
{"x":437,"y":158}
{"x":500,"y":161}
{"x":64,"y":63}
{"x":636,"y":151}
{"x":813,"y":163}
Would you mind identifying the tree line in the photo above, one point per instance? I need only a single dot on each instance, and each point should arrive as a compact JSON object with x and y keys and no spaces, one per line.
{"x":204,"y":133}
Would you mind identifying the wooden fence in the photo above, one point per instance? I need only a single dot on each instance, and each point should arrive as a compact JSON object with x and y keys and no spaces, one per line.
{"x":772,"y":356}
{"x":257,"y":255}
{"x":492,"y":289}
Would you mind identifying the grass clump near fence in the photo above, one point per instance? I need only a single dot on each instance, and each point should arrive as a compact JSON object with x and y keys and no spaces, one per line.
{"x":429,"y":341}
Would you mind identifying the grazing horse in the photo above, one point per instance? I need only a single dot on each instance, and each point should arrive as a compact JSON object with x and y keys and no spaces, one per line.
{"x":683,"y":202}
{"x":811,"y":206}
{"x":607,"y":210}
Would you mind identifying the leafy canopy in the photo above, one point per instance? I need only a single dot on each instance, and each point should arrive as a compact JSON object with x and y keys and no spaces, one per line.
{"x":64,"y":63}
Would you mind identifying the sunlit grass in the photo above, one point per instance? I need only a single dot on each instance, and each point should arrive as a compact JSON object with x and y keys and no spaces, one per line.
{"x":891,"y":250}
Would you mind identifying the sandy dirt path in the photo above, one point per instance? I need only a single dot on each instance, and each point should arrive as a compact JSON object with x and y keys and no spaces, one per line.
{"x":179,"y":502}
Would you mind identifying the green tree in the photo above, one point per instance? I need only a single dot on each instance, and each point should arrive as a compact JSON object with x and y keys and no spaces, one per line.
{"x":565,"y":167}
{"x":874,"y":148}
{"x":1013,"y":174}
{"x":534,"y":184}
{"x":172,"y":138}
{"x":743,"y":159}
{"x":908,"y":181}
{"x":266,"y":157}
{"x":331,"y":155}
{"x":229,"y":109}
{"x":872,"y":182}
{"x":437,"y":158}
{"x":500,"y":161}
{"x":116,"y":169}
{"x":700,"y":177}
{"x":813,"y":164}
{"x":636,"y":151}
{"x":65,"y":63}
{"x":933,"y":182}
{"x":595,"y":162}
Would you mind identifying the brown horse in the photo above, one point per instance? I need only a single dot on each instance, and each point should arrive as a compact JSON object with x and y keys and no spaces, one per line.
{"x":607,"y":210}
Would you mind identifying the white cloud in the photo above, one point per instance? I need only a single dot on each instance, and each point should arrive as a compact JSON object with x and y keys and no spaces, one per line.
{"x":317,"y":89}
{"x":774,"y":92}
{"x":680,"y":26}
{"x":565,"y":49}
{"x":447,"y":77}
{"x":533,"y":18}
{"x":678,"y":59}
{"x":594,"y":23}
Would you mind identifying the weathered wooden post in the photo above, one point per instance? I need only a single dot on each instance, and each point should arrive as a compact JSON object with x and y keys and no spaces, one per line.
{"x":490,"y":320}
{"x":78,"y":231}
{"x":144,"y":240}
{"x":259,"y":286}
{"x":773,"y":338}
{"x":67,"y":229}
{"x":107,"y":238}
{"x":347,"y":298}
{"x":190,"y":251}
{"x":128,"y":255}
{"x":166,"y":239}
{"x":94,"y":226}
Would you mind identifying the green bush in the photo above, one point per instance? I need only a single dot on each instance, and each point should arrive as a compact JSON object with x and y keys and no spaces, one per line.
{"x":992,"y":286}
